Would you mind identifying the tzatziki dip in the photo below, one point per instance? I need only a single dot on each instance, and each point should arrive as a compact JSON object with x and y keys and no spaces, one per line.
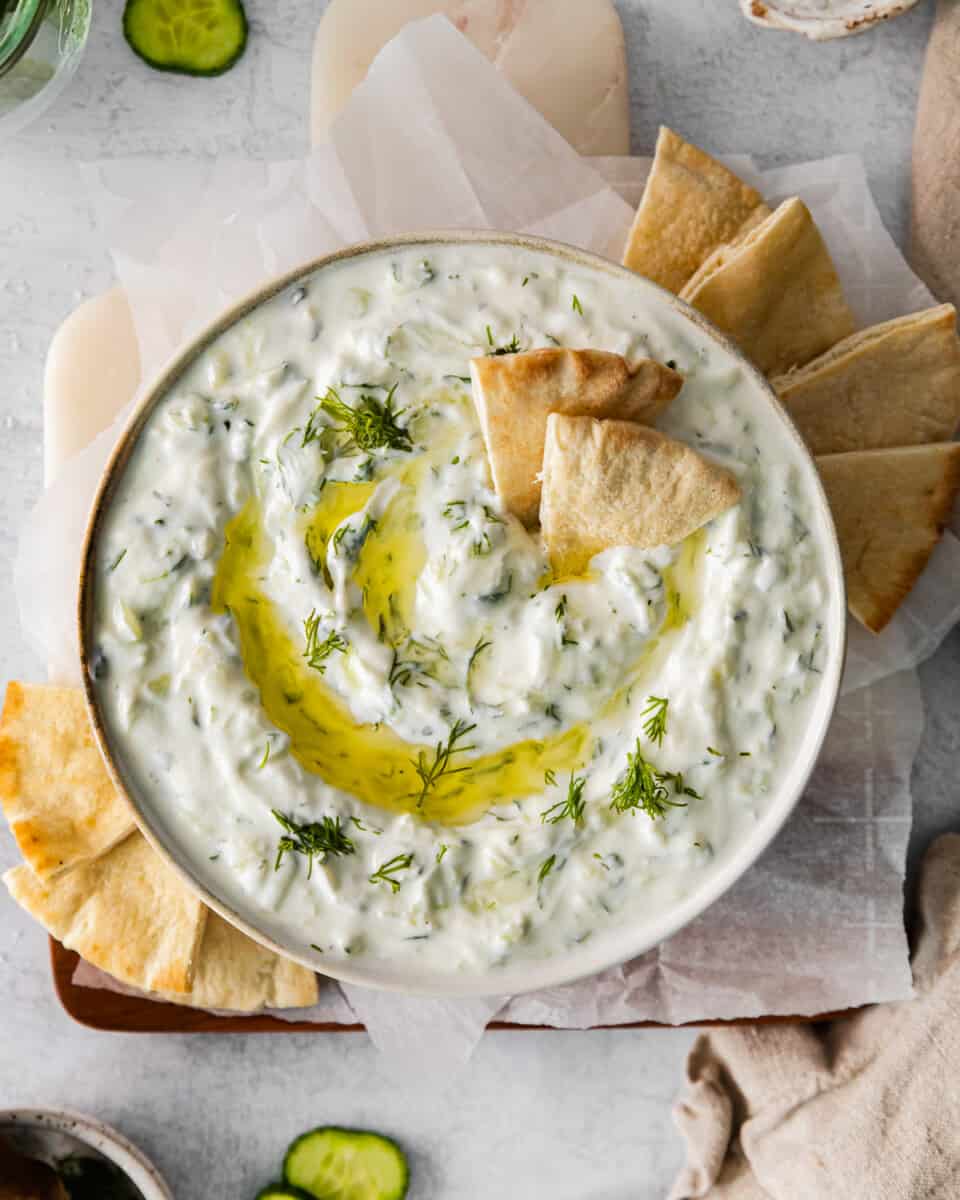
{"x":344,"y":680}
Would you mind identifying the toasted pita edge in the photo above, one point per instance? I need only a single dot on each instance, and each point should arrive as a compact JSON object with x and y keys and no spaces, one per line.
{"x":775,"y":292}
{"x":887,"y":532}
{"x":59,"y":801}
{"x":513,"y":395}
{"x":614,"y":483}
{"x":126,"y":912}
{"x":857,"y":395}
{"x":690,"y":205}
{"x":236,"y":974}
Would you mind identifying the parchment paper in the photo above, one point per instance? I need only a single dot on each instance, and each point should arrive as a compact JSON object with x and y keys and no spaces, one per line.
{"x":435,"y":138}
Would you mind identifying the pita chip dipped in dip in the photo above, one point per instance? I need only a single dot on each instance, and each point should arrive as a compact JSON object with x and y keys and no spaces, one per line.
{"x":615,"y":483}
{"x":515,"y":393}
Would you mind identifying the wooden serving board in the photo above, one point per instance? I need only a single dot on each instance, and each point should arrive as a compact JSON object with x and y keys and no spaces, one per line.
{"x":113,"y":1012}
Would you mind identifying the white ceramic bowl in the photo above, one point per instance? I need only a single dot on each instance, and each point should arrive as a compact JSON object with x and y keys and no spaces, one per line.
{"x":606,"y":948}
{"x":50,"y":1134}
{"x":823,"y":20}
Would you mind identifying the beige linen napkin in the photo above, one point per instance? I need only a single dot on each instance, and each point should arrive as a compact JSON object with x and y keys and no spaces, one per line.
{"x":935,"y":222}
{"x":867,"y":1108}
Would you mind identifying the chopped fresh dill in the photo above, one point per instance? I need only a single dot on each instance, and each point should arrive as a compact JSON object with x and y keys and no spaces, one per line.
{"x":314,"y":946}
{"x":371,"y":425}
{"x":788,"y":622}
{"x":526,"y":280}
{"x":482,"y":547}
{"x":266,"y":756}
{"x":546,"y":867}
{"x":429,"y":772}
{"x":322,"y":837}
{"x":386,"y":872}
{"x":572,"y":806}
{"x":364,"y":828}
{"x":655,"y":725}
{"x":441,"y":852}
{"x":560,"y":611}
{"x":495,"y":351}
{"x":716,"y":753}
{"x":475,"y":653}
{"x":456,"y":510}
{"x":318,"y":651}
{"x":552,"y":712}
{"x":498,"y":594}
{"x":576,"y":305}
{"x":401,"y":671}
{"x":550,"y":778}
{"x":118,"y":560}
{"x":566,"y":640}
{"x":643,"y":787}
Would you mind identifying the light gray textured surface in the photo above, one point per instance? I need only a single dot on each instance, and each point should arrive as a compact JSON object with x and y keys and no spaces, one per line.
{"x":533,"y":1115}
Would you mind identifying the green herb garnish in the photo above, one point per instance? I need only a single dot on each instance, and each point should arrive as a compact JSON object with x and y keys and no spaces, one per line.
{"x":511,"y":347}
{"x":322,"y":837}
{"x":572,"y":807}
{"x":385,"y":873}
{"x":643,"y":787}
{"x":550,"y":777}
{"x":655,"y":726}
{"x":318,"y":651}
{"x":442,"y":851}
{"x":117,"y":561}
{"x":546,"y":867}
{"x":266,"y":756}
{"x":371,"y":425}
{"x":429,"y":772}
{"x":475,"y":653}
{"x":576,"y":305}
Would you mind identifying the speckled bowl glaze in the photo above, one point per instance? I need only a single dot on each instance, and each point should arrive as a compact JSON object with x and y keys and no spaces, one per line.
{"x":823,"y":20}
{"x":612,"y":946}
{"x":53,"y":1133}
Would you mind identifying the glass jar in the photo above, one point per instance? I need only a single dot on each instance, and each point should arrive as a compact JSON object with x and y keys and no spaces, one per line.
{"x":41,"y":42}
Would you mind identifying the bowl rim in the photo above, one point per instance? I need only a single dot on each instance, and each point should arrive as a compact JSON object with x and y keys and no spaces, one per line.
{"x":99,"y":1136}
{"x":533,"y":974}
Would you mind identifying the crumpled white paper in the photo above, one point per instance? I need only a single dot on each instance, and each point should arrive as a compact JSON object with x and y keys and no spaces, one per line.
{"x":435,"y":138}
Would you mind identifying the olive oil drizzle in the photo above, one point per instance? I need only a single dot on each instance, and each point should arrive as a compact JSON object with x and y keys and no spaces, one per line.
{"x":369,"y":761}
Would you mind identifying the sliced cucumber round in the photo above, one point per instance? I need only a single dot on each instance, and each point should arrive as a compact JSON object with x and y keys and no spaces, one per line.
{"x":191,"y":37}
{"x":280,"y":1191}
{"x":347,"y":1164}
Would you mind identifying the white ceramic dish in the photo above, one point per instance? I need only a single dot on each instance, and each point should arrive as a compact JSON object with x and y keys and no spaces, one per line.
{"x":606,"y":948}
{"x":51,"y":1134}
{"x":823,"y":20}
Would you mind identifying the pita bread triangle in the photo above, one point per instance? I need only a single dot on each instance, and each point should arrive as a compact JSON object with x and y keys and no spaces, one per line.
{"x":236,"y":974}
{"x":691,"y":205}
{"x":776,"y":292}
{"x":57,"y":796}
{"x":515,"y":393}
{"x":615,"y":483}
{"x":895,"y":384}
{"x":889,"y":508}
{"x":127,"y":913}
